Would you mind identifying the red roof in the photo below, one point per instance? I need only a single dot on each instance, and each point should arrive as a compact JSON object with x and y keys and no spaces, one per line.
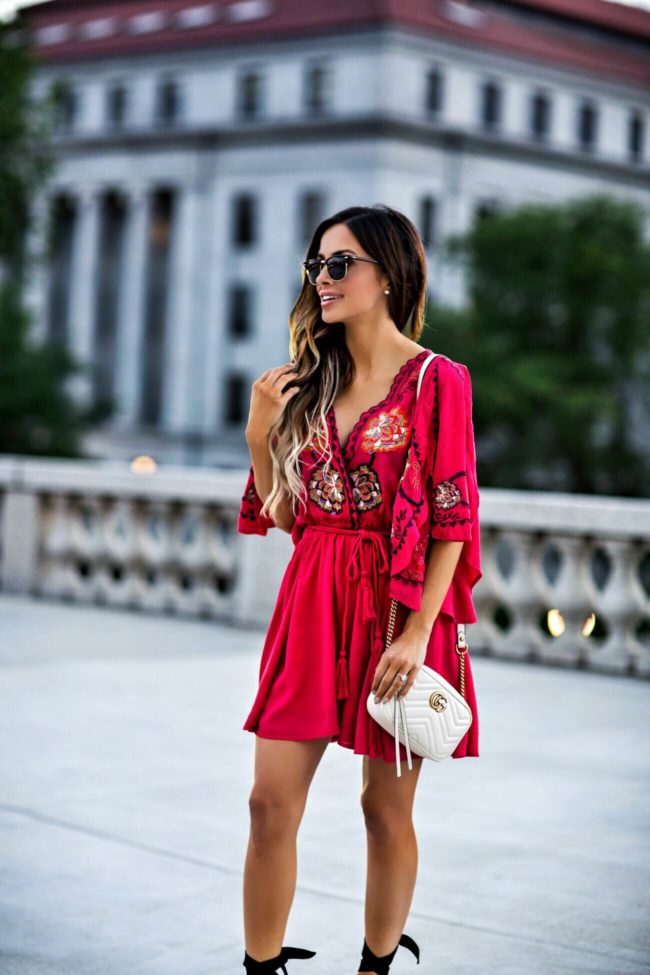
{"x":447,"y":19}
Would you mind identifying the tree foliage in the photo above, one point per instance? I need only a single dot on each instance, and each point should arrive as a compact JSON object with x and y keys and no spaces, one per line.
{"x":37,"y":414}
{"x":556,"y":336}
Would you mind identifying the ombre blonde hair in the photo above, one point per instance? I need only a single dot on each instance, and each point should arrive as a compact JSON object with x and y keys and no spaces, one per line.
{"x":324,"y":365}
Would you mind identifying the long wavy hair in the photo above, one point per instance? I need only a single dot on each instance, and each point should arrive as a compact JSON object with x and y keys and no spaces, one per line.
{"x":318,"y":349}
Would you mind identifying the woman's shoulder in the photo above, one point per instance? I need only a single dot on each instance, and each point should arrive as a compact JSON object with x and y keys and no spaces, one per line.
{"x":445,"y":372}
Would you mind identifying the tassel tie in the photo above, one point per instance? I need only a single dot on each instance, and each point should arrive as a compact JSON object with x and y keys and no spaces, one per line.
{"x":365,"y":567}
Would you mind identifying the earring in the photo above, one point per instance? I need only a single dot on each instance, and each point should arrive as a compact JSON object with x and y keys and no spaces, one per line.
{"x":386,"y":291}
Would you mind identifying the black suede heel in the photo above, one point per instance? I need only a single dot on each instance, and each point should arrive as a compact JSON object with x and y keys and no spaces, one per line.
{"x":270,"y":965}
{"x":373,"y":963}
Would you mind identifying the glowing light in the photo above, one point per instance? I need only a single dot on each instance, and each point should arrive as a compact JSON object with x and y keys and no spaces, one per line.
{"x":588,"y":625}
{"x":555,"y":622}
{"x":143,"y":465}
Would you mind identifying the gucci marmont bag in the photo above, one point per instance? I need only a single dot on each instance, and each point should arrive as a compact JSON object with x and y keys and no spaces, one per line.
{"x":434,"y":715}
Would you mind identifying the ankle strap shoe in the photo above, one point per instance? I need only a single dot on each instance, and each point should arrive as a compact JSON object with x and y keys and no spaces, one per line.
{"x":270,"y":965}
{"x":370,"y":962}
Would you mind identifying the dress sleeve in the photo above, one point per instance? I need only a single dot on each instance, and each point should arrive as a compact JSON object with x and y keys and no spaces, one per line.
{"x":250,"y":520}
{"x":452,"y":475}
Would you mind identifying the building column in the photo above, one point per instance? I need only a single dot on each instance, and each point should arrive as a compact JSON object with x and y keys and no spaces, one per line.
{"x":456,"y":218}
{"x":36,"y":282}
{"x":84,"y":284}
{"x":131,"y":312}
{"x":189,"y":272}
{"x":219,"y":273}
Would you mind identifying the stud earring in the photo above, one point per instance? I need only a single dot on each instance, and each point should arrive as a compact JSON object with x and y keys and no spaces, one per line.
{"x":386,"y":291}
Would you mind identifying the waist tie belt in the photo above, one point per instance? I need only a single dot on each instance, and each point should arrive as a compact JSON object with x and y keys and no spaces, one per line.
{"x":363,"y":566}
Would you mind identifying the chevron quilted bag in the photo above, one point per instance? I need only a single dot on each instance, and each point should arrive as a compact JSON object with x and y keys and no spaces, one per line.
{"x":434,"y":715}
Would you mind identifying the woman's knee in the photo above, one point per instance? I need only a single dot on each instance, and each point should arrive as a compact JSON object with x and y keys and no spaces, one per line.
{"x":384,"y":820}
{"x":272,"y":815}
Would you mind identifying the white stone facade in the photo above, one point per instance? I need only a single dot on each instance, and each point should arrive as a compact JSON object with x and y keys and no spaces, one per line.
{"x":373,"y":141}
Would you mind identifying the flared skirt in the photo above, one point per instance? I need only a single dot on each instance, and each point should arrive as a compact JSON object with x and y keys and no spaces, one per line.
{"x":324,"y":641}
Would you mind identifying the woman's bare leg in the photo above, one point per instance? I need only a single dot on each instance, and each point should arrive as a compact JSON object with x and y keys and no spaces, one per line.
{"x":283,"y":773}
{"x":387,"y":803}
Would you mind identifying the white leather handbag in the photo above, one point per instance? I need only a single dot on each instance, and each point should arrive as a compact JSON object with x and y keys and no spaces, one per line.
{"x":434,"y":715}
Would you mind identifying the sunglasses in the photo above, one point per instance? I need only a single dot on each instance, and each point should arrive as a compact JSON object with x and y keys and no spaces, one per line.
{"x":336,"y":266}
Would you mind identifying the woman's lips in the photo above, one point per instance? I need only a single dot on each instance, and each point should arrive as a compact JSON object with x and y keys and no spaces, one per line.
{"x":328,"y":301}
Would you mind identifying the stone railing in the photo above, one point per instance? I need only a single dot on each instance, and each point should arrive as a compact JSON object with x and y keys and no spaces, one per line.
{"x":565,"y":577}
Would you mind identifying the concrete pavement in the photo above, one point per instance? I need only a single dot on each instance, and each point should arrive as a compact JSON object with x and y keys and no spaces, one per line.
{"x":124,"y":778}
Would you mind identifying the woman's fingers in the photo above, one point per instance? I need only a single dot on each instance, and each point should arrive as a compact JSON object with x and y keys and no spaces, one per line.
{"x":387,"y":683}
{"x":408,"y":684}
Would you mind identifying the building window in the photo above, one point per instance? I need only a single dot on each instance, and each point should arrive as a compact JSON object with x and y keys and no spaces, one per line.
{"x":491,"y":105}
{"x":237,"y":387}
{"x":485,"y":208}
{"x":587,"y":125}
{"x":100,"y":27}
{"x":244,"y":220}
{"x":240,"y":311}
{"x":156,"y":305}
{"x":53,"y":34}
{"x":249,"y":95}
{"x":66,"y":106}
{"x":540,"y":116}
{"x":62,"y":222}
{"x":427,"y":221}
{"x":116,"y":106}
{"x":635,"y":136}
{"x":317,"y":89}
{"x":148,"y":22}
{"x":167,"y":102}
{"x":312,"y":209}
{"x":434,"y":91}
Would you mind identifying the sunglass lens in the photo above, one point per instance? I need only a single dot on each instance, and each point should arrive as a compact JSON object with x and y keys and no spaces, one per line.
{"x":337,"y":267}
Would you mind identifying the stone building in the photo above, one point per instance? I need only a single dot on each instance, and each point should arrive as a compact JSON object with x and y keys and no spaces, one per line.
{"x":199,"y":145}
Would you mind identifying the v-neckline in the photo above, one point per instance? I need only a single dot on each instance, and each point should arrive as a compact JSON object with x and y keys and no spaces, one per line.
{"x":371,"y":409}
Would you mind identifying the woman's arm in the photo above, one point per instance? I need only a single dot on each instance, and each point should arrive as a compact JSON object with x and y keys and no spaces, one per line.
{"x":407,"y":653}
{"x":441,"y":563}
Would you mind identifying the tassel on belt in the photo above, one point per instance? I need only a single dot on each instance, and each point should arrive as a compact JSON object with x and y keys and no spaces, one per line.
{"x":365,"y":567}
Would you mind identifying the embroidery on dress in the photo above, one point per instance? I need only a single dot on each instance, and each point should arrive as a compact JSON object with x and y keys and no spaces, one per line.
{"x":366,"y":489}
{"x":326,"y":488}
{"x":446,"y":494}
{"x":317,"y":445}
{"x":389,"y":430}
{"x":409,"y":500}
{"x":248,"y":503}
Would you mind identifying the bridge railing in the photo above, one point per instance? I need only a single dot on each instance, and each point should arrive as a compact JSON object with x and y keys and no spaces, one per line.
{"x":566,"y":578}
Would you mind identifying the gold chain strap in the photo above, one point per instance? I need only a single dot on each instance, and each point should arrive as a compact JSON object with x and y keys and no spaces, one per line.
{"x":461,"y":642}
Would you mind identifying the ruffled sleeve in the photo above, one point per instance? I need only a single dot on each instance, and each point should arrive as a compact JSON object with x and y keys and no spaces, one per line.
{"x":437,"y":497}
{"x":250,"y":520}
{"x":450,"y":484}
{"x":448,"y":474}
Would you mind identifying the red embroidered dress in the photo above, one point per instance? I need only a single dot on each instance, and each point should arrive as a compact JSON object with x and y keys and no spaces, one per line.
{"x":406,"y":475}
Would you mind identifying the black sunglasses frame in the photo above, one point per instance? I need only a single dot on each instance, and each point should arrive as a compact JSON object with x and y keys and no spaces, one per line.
{"x":310,"y":266}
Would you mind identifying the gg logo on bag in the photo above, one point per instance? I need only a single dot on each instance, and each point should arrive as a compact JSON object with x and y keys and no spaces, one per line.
{"x":438,"y":701}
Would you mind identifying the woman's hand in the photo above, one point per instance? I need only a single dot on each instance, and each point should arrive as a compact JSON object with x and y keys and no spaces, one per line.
{"x":269,"y":396}
{"x":405,"y":655}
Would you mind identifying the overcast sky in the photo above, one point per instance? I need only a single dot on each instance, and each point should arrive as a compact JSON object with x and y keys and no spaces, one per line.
{"x":7,"y":7}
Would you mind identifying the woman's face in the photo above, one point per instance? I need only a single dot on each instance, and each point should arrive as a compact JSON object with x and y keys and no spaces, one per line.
{"x":362,"y":289}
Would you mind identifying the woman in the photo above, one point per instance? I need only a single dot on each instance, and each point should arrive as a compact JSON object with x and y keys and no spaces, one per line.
{"x":377,"y":488}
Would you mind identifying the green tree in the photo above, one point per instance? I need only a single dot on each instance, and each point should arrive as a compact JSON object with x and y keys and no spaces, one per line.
{"x":556,"y":337}
{"x":37,"y":415}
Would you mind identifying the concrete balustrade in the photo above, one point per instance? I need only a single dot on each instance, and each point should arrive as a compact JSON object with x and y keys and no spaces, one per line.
{"x":95,"y":532}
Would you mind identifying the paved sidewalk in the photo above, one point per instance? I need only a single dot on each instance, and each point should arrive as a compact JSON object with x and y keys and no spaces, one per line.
{"x":123,"y":813}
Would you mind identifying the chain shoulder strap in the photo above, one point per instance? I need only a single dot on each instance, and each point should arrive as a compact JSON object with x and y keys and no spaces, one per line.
{"x":461,"y":642}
